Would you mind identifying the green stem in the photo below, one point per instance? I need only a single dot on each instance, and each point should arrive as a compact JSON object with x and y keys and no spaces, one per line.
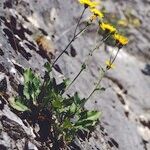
{"x":103,"y":74}
{"x":97,"y":84}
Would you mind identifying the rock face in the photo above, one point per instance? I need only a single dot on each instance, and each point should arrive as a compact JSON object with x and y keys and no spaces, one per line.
{"x":125,"y":123}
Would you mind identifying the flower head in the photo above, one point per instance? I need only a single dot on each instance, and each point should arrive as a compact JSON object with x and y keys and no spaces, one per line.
{"x":109,"y":64}
{"x":121,"y":39}
{"x":108,"y":27}
{"x":88,"y":3}
{"x":96,"y":12}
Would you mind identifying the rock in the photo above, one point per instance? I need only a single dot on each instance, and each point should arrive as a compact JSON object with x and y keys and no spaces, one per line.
{"x":146,"y":70}
{"x":3,"y":83}
{"x":14,"y":134}
{"x":126,"y":99}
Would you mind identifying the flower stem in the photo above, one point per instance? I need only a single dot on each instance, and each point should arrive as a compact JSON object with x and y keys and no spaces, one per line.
{"x":102,"y":40}
{"x":83,"y":67}
{"x":86,"y":61}
{"x":97,"y":84}
{"x":103,"y":74}
{"x":74,"y":37}
{"x":62,"y":52}
{"x":111,"y":61}
{"x":97,"y":46}
{"x":79,"y":22}
{"x":115,"y":56}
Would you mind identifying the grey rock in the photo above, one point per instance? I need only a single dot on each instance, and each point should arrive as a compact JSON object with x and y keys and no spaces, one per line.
{"x":126,"y":99}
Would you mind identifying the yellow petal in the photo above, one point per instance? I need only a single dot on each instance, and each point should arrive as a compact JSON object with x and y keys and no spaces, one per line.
{"x":121,"y":39}
{"x":97,"y":12}
{"x":89,"y":3}
{"x":106,"y":26}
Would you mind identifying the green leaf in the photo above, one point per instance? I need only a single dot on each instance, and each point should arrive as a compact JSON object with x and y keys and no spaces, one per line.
{"x":57,"y":103}
{"x":28,"y":75}
{"x":79,"y":101}
{"x":67,"y":124}
{"x":77,"y":98}
{"x":66,"y":82}
{"x":26,"y":90}
{"x":36,"y":87}
{"x":48,"y":66}
{"x":93,"y":115}
{"x":18,"y":105}
{"x":73,"y":108}
{"x":84,"y":124}
{"x":32,"y":85}
{"x":88,"y":119}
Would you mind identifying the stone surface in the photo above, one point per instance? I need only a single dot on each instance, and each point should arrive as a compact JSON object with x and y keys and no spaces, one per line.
{"x":125,"y":123}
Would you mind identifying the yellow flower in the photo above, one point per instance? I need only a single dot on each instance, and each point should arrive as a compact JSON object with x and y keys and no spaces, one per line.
{"x":88,"y":3}
{"x":109,"y":64}
{"x":121,"y":39}
{"x":107,"y":27}
{"x":96,"y":12}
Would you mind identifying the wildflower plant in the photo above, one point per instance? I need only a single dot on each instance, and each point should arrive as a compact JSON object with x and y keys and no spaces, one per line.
{"x":62,"y":116}
{"x":42,"y":101}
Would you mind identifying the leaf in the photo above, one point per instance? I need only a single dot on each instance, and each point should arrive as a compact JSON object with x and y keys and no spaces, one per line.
{"x":26,"y":90}
{"x":103,"y":89}
{"x":93,"y":115}
{"x":77,"y":98}
{"x":66,"y":81}
{"x":84,"y":124}
{"x":57,"y":103}
{"x":18,"y":105}
{"x":48,"y":66}
{"x":32,"y":85}
{"x":67,"y":124}
{"x":79,"y":101}
{"x":28,"y":75}
{"x":36,"y":87}
{"x":87,"y":119}
{"x":73,"y":108}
